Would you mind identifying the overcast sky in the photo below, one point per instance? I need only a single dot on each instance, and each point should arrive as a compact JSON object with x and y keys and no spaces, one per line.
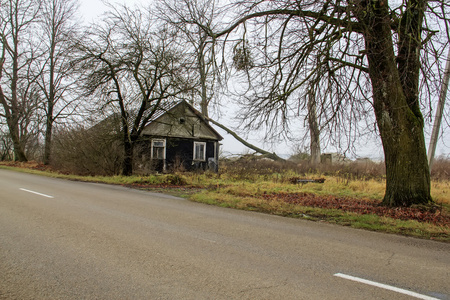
{"x":92,"y":9}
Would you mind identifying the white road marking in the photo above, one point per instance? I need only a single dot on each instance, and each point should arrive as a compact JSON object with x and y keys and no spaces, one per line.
{"x":43,"y":195}
{"x":385,"y":286}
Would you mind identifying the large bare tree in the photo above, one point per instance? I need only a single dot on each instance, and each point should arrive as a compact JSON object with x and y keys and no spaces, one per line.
{"x":131,"y":65}
{"x":371,"y":55}
{"x":18,"y":96}
{"x":58,"y":26}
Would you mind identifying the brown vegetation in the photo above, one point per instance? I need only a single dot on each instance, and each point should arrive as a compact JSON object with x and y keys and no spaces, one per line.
{"x":429,"y":214}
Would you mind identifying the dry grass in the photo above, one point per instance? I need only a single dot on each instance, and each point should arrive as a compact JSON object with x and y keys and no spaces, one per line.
{"x":367,"y":221}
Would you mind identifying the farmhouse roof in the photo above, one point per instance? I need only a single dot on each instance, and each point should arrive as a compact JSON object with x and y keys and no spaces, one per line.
{"x":167,"y":114}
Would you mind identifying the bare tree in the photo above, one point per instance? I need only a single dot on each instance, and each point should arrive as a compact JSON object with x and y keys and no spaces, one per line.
{"x":314,"y":131}
{"x":131,"y":65}
{"x":59,"y":28}
{"x":6,"y":147}
{"x":17,"y":93}
{"x":371,"y":56}
{"x":211,"y":72}
{"x":196,"y":42}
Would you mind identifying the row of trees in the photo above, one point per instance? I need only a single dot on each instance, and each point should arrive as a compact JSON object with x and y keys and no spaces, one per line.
{"x":341,"y":67}
{"x":35,"y":85}
{"x":53,"y":70}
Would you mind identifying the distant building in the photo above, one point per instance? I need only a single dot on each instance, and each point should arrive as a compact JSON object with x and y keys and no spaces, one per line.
{"x":333,"y":158}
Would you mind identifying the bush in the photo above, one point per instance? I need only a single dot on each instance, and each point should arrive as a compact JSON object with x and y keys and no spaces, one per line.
{"x":253,"y":167}
{"x":175,"y":179}
{"x":441,"y":169}
{"x":87,"y":152}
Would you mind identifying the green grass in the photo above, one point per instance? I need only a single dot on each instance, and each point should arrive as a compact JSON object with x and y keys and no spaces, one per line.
{"x":225,"y":190}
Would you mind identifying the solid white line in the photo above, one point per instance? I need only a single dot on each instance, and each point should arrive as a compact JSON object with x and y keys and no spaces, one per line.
{"x":43,"y":195}
{"x":385,"y":286}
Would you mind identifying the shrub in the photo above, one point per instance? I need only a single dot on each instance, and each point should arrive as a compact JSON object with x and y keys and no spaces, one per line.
{"x":253,"y":167}
{"x":441,"y":169}
{"x":87,"y":152}
{"x":175,"y":179}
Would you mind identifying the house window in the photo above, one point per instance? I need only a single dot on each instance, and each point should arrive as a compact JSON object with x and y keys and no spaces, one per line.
{"x":199,"y":151}
{"x":159,"y":149}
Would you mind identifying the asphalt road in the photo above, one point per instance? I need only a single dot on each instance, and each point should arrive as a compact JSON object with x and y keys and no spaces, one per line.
{"x":71,"y":240}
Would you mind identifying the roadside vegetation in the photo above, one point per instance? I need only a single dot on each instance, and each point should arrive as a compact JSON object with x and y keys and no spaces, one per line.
{"x":350,"y":195}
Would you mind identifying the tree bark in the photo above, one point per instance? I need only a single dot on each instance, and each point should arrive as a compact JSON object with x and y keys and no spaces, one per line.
{"x":314,"y":132}
{"x":399,"y":120}
{"x":49,"y":112}
{"x":202,"y":71}
{"x":48,"y":140}
{"x":19,"y":153}
{"x":127,"y":168}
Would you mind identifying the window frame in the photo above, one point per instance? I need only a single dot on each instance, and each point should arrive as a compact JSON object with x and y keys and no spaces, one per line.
{"x":163,"y":147}
{"x":195,"y":151}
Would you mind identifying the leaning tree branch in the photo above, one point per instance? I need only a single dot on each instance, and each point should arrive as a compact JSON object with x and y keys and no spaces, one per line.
{"x":245,"y":143}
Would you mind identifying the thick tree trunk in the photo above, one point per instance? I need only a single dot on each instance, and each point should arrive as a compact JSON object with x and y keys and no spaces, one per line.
{"x":19,"y":153}
{"x":399,"y":120}
{"x":14,"y":133}
{"x":128,"y":144}
{"x":407,"y":173}
{"x":127,"y":167}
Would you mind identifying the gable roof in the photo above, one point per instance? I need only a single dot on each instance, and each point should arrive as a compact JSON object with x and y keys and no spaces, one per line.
{"x":180,"y":119}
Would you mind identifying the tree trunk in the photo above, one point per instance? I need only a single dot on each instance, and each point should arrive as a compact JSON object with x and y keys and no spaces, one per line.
{"x":314,"y":132}
{"x":49,"y":123}
{"x":50,"y":102}
{"x":14,"y":132}
{"x":398,"y":118}
{"x":202,"y":71}
{"x":19,"y":153}
{"x":48,"y":141}
{"x":127,"y":168}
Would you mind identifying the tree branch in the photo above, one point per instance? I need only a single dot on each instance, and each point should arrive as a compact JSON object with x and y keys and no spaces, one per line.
{"x":245,"y":143}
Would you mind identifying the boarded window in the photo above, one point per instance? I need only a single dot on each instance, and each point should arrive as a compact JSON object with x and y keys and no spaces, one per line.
{"x":199,"y":151}
{"x":159,"y":149}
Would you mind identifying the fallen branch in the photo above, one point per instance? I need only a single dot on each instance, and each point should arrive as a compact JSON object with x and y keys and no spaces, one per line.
{"x":245,"y":143}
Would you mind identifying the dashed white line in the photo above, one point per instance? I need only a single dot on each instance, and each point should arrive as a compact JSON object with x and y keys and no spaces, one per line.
{"x":36,"y":193}
{"x":385,"y":286}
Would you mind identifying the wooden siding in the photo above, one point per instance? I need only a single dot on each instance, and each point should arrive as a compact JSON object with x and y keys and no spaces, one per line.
{"x":179,"y":156}
{"x":181,"y":122}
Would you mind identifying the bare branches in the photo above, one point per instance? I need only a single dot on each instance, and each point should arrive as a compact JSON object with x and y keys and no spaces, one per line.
{"x":18,"y":50}
{"x":132,"y":65}
{"x":292,"y":42}
{"x":184,"y":16}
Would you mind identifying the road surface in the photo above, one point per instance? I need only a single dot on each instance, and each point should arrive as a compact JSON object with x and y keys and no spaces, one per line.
{"x":72,"y":240}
